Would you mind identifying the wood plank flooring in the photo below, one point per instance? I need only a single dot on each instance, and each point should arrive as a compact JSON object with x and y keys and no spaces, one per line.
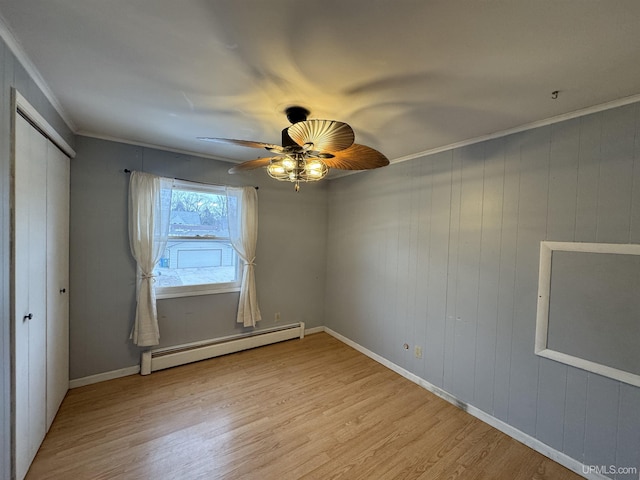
{"x":302,"y":409}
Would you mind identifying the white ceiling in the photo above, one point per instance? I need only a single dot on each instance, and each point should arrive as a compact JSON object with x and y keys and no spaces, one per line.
{"x":407,"y":75}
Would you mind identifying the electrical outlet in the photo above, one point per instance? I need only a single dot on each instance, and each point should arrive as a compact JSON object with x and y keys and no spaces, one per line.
{"x":417,"y":351}
{"x":277,"y":317}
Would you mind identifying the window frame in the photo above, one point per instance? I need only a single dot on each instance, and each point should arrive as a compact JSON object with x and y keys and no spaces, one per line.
{"x":208,"y":288}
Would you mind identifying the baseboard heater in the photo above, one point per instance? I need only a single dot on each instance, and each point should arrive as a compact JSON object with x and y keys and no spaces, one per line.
{"x":167,"y":357}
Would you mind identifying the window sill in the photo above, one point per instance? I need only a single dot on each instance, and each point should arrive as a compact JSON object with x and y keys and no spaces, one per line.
{"x":193,"y":293}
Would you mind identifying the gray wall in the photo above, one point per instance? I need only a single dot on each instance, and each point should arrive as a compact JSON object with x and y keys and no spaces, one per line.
{"x":442,"y":252}
{"x":290,"y":263}
{"x":12,"y":74}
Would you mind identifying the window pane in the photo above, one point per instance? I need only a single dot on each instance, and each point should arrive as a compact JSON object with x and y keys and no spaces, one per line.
{"x":196,"y":262}
{"x":196,"y":213}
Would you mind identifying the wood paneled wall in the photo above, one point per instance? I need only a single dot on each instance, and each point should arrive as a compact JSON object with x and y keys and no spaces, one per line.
{"x":442,"y":252}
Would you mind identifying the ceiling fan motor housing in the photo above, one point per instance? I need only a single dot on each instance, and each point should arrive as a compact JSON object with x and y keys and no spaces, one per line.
{"x":296,"y":114}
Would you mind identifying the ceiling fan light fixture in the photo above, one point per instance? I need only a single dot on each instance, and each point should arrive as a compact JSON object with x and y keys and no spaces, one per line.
{"x":288,"y":163}
{"x":276,"y":169}
{"x":316,"y":169}
{"x":297,"y":169}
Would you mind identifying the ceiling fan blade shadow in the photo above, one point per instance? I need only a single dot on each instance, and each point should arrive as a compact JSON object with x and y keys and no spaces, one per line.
{"x":324,"y":135}
{"x":250,"y":165}
{"x":244,"y":143}
{"x":408,"y":84}
{"x":357,"y":157}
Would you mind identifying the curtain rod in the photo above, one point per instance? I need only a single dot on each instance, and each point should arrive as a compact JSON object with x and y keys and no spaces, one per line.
{"x":126,"y":170}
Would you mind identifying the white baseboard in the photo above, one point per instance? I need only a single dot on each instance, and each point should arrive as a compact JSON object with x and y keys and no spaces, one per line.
{"x":529,"y":441}
{"x":310,"y":331}
{"x":101,"y":377}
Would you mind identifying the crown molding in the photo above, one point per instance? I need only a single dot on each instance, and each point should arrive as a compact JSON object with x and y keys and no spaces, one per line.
{"x":164,"y":148}
{"x":21,"y":55}
{"x":527,"y":126}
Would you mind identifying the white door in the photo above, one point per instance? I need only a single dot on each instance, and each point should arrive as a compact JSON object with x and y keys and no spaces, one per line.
{"x":30,"y":292}
{"x":57,"y":279}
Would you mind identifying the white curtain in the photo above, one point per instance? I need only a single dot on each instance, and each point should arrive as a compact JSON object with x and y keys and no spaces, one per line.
{"x":243,"y":232}
{"x":149,"y":216}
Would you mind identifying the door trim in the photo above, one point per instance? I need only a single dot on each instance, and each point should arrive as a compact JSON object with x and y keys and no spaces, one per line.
{"x":23,"y":107}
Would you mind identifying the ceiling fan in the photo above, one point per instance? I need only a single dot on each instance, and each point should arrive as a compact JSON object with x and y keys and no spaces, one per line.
{"x":309,"y":149}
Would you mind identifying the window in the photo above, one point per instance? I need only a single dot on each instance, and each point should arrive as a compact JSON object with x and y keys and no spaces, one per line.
{"x":199,"y":258}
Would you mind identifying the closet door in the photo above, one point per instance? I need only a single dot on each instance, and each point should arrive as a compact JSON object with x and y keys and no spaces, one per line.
{"x":30,"y":325}
{"x":57,"y":279}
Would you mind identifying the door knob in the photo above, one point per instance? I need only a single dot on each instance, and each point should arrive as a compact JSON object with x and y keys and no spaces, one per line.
{"x":63,"y":290}
{"x":27,"y":317}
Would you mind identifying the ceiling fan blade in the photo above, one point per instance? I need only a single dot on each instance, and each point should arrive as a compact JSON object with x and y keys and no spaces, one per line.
{"x":323,"y":135}
{"x":357,"y":157}
{"x":243,"y":143}
{"x":250,"y":165}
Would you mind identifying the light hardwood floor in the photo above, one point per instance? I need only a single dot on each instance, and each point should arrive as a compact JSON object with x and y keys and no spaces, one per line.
{"x":312,"y":408}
